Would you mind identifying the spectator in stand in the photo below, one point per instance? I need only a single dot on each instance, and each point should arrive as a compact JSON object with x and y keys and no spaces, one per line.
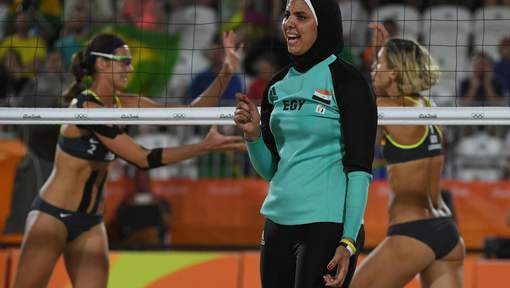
{"x":355,"y":28}
{"x":196,"y":23}
{"x":265,"y":67}
{"x":272,"y":44}
{"x":74,"y":30}
{"x":490,"y":3}
{"x":97,"y":10}
{"x":4,"y":10}
{"x":147,"y":14}
{"x":481,"y":88}
{"x":32,"y":49}
{"x":502,"y":67}
{"x":12,"y":76}
{"x":249,"y":20}
{"x":480,"y":155}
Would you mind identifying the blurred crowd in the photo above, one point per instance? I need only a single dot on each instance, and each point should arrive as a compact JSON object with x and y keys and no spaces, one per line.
{"x":470,"y":39}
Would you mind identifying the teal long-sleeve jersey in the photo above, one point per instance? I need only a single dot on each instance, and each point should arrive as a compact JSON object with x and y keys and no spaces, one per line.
{"x":316,"y":149}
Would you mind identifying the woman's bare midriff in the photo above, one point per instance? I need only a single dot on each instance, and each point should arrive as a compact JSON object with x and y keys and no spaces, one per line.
{"x":415,"y":190}
{"x":64,"y":187}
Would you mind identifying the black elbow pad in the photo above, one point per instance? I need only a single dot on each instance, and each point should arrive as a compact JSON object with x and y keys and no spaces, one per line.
{"x":155,"y":158}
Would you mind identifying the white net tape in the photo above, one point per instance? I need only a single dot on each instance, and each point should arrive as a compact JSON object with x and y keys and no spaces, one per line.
{"x":224,"y":116}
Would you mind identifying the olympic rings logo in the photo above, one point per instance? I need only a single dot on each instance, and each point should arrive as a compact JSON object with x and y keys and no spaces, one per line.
{"x":427,"y":116}
{"x":81,"y":116}
{"x":478,"y":115}
{"x":179,"y":116}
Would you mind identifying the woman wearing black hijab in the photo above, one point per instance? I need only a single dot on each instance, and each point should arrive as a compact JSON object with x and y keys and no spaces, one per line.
{"x":315,"y":146}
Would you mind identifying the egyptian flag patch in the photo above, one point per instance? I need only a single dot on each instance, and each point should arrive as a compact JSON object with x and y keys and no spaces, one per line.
{"x":323,"y":96}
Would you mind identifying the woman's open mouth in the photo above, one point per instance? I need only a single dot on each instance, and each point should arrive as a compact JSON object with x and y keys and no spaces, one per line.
{"x":292,"y":39}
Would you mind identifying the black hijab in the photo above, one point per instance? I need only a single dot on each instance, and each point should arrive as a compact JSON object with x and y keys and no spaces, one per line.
{"x":329,"y":35}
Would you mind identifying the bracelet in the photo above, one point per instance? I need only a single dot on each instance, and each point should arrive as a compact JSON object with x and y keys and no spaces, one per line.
{"x":349,"y":246}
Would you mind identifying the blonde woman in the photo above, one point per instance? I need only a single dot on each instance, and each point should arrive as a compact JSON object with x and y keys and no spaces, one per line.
{"x":422,"y":236}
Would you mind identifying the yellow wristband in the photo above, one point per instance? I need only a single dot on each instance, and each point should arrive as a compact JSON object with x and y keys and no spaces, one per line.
{"x":350,"y":245}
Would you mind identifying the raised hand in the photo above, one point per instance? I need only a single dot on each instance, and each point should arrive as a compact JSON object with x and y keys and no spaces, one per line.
{"x":232,"y":54}
{"x":380,"y":34}
{"x":247,"y":117}
{"x":215,"y":141}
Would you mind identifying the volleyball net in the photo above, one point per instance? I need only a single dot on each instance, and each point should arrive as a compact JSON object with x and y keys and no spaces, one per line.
{"x":176,"y":48}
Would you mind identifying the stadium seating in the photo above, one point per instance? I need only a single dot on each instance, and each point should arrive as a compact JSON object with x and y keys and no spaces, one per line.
{"x":407,"y":18}
{"x":355,"y":20}
{"x":446,"y":33}
{"x":488,"y":28}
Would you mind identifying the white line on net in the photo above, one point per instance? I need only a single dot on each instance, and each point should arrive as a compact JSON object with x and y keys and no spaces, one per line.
{"x":224,"y":116}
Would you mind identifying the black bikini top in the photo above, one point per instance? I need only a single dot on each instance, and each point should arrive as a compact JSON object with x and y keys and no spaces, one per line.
{"x":87,"y":147}
{"x":430,"y":144}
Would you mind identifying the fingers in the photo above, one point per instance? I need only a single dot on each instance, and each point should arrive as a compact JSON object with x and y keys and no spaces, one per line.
{"x":214,"y":129}
{"x":242,"y":114}
{"x":229,"y":38}
{"x":338,"y":279}
{"x":379,"y":27}
{"x":375,"y":25}
{"x":342,"y":263}
{"x":229,"y":43}
{"x":333,"y":263}
{"x":251,"y":105}
{"x":381,"y":34}
{"x":242,"y":117}
{"x":240,"y":49}
{"x":243,"y":102}
{"x":244,"y":105}
{"x":240,"y":97}
{"x":232,"y":55}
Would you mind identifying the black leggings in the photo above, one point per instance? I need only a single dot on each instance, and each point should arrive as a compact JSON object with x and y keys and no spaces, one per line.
{"x":296,"y":256}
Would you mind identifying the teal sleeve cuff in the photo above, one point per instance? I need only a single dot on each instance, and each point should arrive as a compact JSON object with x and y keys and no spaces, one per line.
{"x":356,"y":202}
{"x":261,"y":158}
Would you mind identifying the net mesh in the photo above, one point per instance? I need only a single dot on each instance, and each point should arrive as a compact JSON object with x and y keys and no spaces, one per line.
{"x":176,"y":48}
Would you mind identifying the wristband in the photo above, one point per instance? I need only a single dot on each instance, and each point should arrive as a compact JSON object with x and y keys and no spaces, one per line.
{"x":349,"y":246}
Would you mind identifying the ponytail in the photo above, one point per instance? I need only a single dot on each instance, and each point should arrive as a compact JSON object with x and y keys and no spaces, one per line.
{"x":78,"y":63}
